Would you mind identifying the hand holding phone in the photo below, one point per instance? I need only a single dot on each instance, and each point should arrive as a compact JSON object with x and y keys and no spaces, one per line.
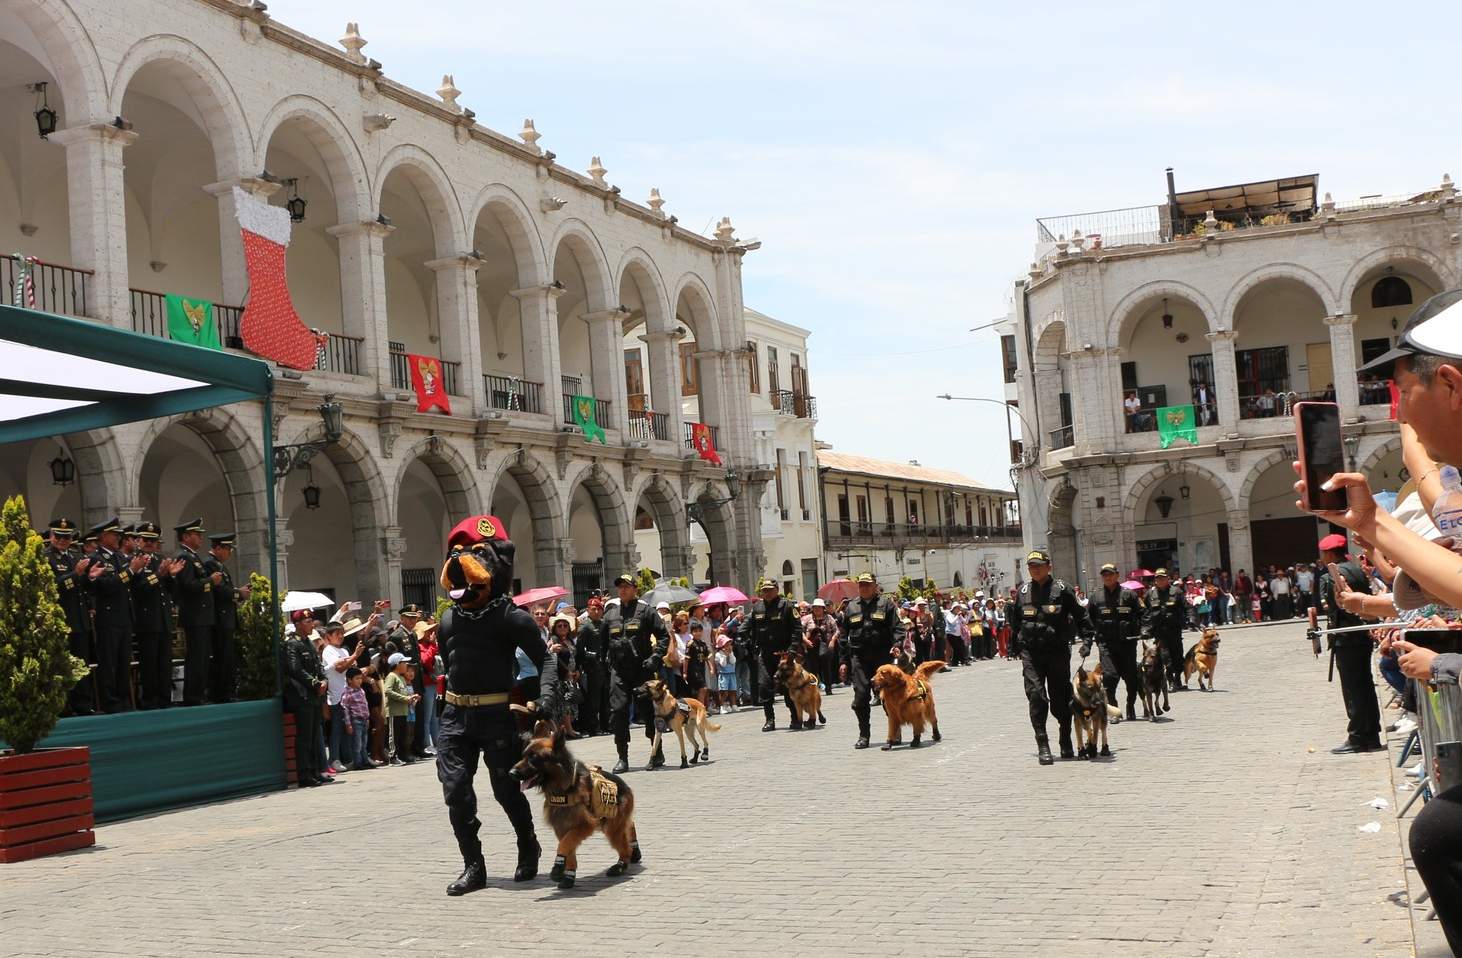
{"x":1321,"y":454}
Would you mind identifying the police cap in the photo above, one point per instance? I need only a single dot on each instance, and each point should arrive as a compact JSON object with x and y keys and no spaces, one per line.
{"x":1161,"y":572}
{"x":865,"y":577}
{"x":148,"y":530}
{"x":1038,"y":557}
{"x":63,"y":527}
{"x":765,"y":584}
{"x":626,"y":578}
{"x":110,"y":525}
{"x":223,"y":539}
{"x":192,"y":525}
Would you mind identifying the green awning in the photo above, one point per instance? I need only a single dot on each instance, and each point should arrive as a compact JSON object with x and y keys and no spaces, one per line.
{"x":60,"y":375}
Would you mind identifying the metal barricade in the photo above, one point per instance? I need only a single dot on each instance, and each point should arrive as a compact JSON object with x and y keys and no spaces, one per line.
{"x":1439,"y":714}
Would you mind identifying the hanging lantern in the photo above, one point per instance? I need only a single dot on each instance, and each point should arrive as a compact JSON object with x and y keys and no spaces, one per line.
{"x":45,"y":116}
{"x":312,"y":496}
{"x":295,"y":204}
{"x":1164,"y":504}
{"x":63,"y":470}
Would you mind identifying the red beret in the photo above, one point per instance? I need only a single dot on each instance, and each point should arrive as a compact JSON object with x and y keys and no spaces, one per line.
{"x":477,"y":529}
{"x":1333,"y":541}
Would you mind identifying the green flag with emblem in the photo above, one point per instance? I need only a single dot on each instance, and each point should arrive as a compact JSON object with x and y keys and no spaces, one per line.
{"x":587,"y":419}
{"x":191,"y":321}
{"x":1177,"y":422}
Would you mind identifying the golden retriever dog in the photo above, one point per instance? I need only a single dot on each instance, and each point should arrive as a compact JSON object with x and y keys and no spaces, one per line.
{"x":802,"y":690}
{"x":1202,"y":658}
{"x":908,"y":700}
{"x":681,"y":716}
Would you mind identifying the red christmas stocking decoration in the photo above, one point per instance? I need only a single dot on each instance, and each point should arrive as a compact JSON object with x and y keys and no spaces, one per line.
{"x":270,"y":327}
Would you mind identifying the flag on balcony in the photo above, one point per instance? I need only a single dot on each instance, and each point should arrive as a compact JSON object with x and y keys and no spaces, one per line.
{"x":700,"y":438}
{"x":426,"y":379}
{"x":586,"y":418}
{"x":1176,"y":422}
{"x":191,"y":321}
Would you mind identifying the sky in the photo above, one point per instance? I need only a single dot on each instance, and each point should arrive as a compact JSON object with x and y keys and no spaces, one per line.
{"x":893,"y":159}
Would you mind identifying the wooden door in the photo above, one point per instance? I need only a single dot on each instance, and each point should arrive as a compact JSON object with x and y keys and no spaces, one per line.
{"x":1321,"y":367}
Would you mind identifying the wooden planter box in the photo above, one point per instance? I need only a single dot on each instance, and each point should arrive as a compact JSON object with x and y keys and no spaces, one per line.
{"x":45,"y":803}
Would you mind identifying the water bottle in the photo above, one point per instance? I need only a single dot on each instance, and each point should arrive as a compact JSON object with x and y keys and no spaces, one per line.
{"x":1447,"y":512}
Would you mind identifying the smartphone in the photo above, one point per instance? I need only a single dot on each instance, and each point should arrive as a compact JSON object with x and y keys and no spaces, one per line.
{"x":1322,"y":455}
{"x":1438,"y":640}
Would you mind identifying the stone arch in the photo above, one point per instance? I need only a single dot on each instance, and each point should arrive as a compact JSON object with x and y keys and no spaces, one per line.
{"x":588,"y":253}
{"x":659,"y":314}
{"x":455,"y":476}
{"x":349,"y":179}
{"x":1380,"y":452}
{"x":615,"y":518}
{"x":1292,"y":271}
{"x":239,"y":458}
{"x":702,"y":308}
{"x":73,"y":57}
{"x":1135,"y":302}
{"x":504,"y":203}
{"x":1443,"y":275}
{"x":101,"y":472}
{"x":537,"y":484}
{"x":1053,"y":318}
{"x":1182,"y":467}
{"x":668,"y":510}
{"x":719,"y":523}
{"x":222,"y":113}
{"x":1270,"y":460}
{"x":443,"y":208}
{"x":365,"y":488}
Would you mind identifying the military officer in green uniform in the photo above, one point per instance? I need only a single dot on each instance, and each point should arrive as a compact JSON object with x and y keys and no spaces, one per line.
{"x":223,"y":679}
{"x":1050,"y":619}
{"x":1163,"y":625}
{"x":774,"y":627}
{"x":196,"y":610}
{"x":1117,"y":617}
{"x":110,"y":574}
{"x":153,"y":620}
{"x":870,"y":627}
{"x":69,"y":567}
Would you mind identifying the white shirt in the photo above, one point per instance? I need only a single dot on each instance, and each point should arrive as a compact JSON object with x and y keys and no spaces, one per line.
{"x":1279,"y":585}
{"x":952,"y":623}
{"x":1133,"y":404}
{"x":1305,"y":580}
{"x":334,"y":680}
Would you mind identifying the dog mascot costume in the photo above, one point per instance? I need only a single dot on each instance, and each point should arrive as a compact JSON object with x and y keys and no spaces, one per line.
{"x":479,"y":638}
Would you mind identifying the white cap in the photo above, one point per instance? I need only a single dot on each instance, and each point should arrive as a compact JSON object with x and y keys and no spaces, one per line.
{"x":663,"y":605}
{"x":819,"y":604}
{"x":396,"y":659}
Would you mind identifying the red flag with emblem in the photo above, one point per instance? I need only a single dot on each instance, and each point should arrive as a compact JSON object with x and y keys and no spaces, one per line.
{"x":700,"y":437}
{"x":426,"y":379}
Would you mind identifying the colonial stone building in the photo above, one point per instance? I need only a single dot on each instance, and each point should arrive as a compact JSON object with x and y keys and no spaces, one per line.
{"x":1240,"y":301}
{"x":418,"y":231}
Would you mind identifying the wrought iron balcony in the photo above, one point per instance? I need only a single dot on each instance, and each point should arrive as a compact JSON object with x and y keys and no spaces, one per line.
{"x":513,"y":394}
{"x":58,"y":289}
{"x":644,"y":424}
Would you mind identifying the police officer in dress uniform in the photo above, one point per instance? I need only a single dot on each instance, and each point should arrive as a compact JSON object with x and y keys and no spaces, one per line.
{"x":1352,"y":651}
{"x":111,"y":575}
{"x":589,"y":649}
{"x":69,"y":567}
{"x":636,"y":639}
{"x":774,"y":629}
{"x":870,"y":628}
{"x":223,"y":679}
{"x":1117,"y":616}
{"x":1050,"y":619}
{"x":1167,"y":608}
{"x":152,"y":620}
{"x":478,"y":639}
{"x":195,"y":585}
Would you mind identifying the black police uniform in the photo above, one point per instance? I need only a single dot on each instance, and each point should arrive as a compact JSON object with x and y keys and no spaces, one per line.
{"x":223,"y":673}
{"x":774,"y":629}
{"x":1116,"y":615}
{"x":196,"y":610}
{"x":637,"y":640}
{"x":478,"y":649}
{"x":1353,"y":661}
{"x":304,"y":689}
{"x":594,"y":666}
{"x":151,"y":602}
{"x":72,"y":591}
{"x":870,"y":629}
{"x":113,"y":595}
{"x":1163,"y":624}
{"x":1050,"y":618}
{"x":822,"y":657}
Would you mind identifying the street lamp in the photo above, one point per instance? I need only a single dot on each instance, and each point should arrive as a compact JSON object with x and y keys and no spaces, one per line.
{"x":63,"y":470}
{"x":1164,"y":504}
{"x":296,"y":203}
{"x":45,"y":116}
{"x":696,"y":510}
{"x":290,"y":457}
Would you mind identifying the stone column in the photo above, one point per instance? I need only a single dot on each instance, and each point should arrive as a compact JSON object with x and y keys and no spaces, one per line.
{"x":541,"y":361}
{"x":663,"y":347}
{"x":1225,"y":379}
{"x":678,"y":560}
{"x":1240,"y":542}
{"x":393,"y":549}
{"x":283,"y":539}
{"x":606,"y":351}
{"x":1342,"y":365}
{"x":363,"y":294}
{"x":461,"y":338}
{"x":234,"y":278}
{"x":98,"y":215}
{"x":555,"y":562}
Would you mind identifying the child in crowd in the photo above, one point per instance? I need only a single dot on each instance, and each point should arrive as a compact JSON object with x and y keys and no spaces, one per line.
{"x":357,"y":718}
{"x":697,"y":653}
{"x":400,"y":700}
{"x":725,"y":671}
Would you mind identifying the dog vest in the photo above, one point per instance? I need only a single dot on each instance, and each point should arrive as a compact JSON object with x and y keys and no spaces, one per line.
{"x":603,"y":795}
{"x":921,"y":690}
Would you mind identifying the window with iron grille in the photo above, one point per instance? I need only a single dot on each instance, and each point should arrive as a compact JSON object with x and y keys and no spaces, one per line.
{"x":1259,"y":370}
{"x":419,"y":587}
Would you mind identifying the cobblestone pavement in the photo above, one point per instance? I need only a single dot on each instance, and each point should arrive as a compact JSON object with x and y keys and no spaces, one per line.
{"x":1229,"y":830}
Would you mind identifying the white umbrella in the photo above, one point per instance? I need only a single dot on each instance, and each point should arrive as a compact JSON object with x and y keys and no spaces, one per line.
{"x":294,"y":601}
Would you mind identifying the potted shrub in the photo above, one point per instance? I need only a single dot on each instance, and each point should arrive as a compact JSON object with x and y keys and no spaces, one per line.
{"x":45,"y":794}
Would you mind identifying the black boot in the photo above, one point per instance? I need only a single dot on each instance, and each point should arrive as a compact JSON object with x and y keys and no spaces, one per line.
{"x":1131,"y":712}
{"x":621,"y":766}
{"x":527,"y":861}
{"x":862,"y":742}
{"x":1043,"y":751}
{"x":1066,"y":750}
{"x":770,"y":726}
{"x":473,"y":877}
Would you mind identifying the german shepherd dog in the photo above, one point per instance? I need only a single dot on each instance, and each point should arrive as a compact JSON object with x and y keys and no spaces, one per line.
{"x":1090,"y":711}
{"x":802,"y":689}
{"x":1154,"y":683}
{"x":1203,"y":659}
{"x":907,"y":700}
{"x":577,"y":802}
{"x":681,"y":716}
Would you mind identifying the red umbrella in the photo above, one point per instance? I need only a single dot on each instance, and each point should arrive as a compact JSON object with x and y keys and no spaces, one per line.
{"x":545,"y":594}
{"x":1139,"y":574}
{"x":723,"y":593}
{"x":837,"y":590}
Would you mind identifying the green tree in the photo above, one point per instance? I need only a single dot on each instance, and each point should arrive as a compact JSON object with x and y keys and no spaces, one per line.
{"x":258,"y":664}
{"x":647,"y":580}
{"x":36,"y":667}
{"x":907,"y":590}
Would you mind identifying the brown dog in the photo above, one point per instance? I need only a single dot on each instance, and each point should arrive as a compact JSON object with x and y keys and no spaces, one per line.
{"x":1154,"y":683}
{"x":681,"y":716}
{"x":801,"y":689}
{"x":907,"y":700}
{"x":1090,"y":711}
{"x":1203,"y":659}
{"x":577,"y":802}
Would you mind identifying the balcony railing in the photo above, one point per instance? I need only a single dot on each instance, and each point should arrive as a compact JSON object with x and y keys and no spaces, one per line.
{"x":1275,"y":405}
{"x":644,"y":424}
{"x":1063,"y":437}
{"x":341,"y":354}
{"x":515,"y":395}
{"x":1375,"y":394}
{"x":59,"y":289}
{"x":150,"y":316}
{"x":891,"y":534}
{"x":601,"y":410}
{"x":401,"y":371}
{"x":687,"y":430}
{"x":790,"y":403}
